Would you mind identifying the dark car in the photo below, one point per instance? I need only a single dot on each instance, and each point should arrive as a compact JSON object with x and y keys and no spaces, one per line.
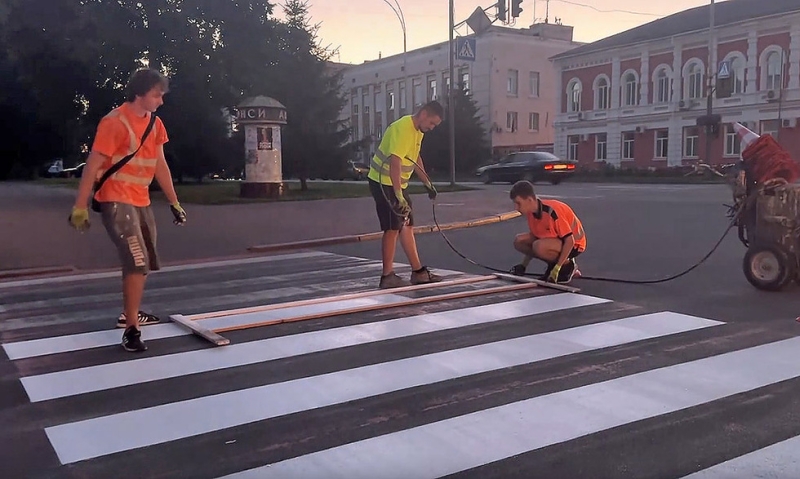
{"x":528,"y":165}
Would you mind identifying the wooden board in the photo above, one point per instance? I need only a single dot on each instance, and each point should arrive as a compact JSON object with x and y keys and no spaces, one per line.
{"x":342,"y":297}
{"x":373,"y":307}
{"x":199,"y":330}
{"x":538,"y":282}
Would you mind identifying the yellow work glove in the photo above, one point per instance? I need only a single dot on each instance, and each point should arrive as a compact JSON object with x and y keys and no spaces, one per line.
{"x":179,"y":213}
{"x":431,"y":191}
{"x":553,"y":278}
{"x":79,"y":219}
{"x":403,"y":208}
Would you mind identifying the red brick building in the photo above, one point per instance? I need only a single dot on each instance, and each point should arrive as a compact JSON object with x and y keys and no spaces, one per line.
{"x":633,"y":99}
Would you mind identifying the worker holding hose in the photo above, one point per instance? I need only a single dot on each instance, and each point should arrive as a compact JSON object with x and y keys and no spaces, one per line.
{"x":555,"y":235}
{"x":396,"y":158}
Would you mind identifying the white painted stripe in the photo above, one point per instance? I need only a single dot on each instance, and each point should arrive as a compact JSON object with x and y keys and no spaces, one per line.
{"x":323,"y":276}
{"x":166,"y":269}
{"x":107,"y":376}
{"x":780,"y":460}
{"x":464,"y":442}
{"x":109,"y":434}
{"x":60,"y":344}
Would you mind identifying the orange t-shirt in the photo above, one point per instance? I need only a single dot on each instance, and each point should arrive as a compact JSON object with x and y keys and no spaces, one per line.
{"x":556,"y":220}
{"x":113,"y":139}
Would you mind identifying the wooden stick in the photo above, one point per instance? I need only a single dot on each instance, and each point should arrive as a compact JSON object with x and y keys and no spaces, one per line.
{"x":545,"y":284}
{"x":363,"y":294}
{"x":372,"y":307}
{"x":200,"y":330}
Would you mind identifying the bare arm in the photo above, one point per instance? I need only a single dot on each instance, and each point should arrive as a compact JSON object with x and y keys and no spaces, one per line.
{"x":419,"y":168}
{"x":93,"y":164}
{"x":569,"y":243}
{"x":394,"y":173}
{"x":164,"y":177}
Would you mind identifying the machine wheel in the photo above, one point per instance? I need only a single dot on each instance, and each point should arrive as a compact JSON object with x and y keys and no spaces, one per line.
{"x":768,"y":267}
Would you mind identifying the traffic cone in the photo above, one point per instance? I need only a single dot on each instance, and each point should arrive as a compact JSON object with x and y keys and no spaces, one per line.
{"x":747,"y":136}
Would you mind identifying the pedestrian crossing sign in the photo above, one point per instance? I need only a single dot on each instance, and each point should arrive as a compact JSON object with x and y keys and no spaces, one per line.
{"x":724,"y":70}
{"x":465,"y":49}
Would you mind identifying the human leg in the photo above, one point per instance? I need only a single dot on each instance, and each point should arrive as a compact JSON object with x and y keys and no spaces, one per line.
{"x":124,"y":226}
{"x":390,"y":224}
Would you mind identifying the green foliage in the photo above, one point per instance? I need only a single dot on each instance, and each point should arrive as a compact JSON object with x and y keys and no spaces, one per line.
{"x":471,"y":143}
{"x":63,"y":67}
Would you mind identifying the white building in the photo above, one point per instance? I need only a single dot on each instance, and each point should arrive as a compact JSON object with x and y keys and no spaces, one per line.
{"x":511,"y":79}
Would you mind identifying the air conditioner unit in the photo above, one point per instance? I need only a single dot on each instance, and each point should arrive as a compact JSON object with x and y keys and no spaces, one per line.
{"x":773,"y":95}
{"x":789,"y":122}
{"x":683,"y":104}
{"x":584,"y":137}
{"x":639,"y":129}
{"x":580,"y":115}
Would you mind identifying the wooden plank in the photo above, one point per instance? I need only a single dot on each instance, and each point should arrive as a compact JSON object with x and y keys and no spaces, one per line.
{"x":199,"y":330}
{"x":373,"y":307}
{"x":342,"y":297}
{"x":544,"y":284}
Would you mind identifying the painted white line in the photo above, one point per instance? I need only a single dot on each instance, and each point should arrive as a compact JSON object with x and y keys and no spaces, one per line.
{"x":780,"y":460}
{"x":464,"y":442}
{"x":166,"y":269}
{"x":107,"y":376}
{"x":154,"y":425}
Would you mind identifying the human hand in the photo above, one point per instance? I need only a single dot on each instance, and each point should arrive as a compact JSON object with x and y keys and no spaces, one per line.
{"x":553,"y":277}
{"x":431,"y":191}
{"x":79,"y":219}
{"x":179,"y":213}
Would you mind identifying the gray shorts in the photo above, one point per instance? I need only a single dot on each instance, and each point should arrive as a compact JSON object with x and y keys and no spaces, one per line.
{"x":133,"y":231}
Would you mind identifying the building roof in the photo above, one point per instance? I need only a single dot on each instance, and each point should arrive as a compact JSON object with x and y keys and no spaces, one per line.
{"x":694,"y":19}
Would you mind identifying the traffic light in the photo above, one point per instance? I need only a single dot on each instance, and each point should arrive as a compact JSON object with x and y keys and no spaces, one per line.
{"x":515,"y":8}
{"x":501,"y":10}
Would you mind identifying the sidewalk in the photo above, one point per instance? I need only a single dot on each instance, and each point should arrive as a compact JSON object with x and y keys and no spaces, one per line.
{"x":33,"y":219}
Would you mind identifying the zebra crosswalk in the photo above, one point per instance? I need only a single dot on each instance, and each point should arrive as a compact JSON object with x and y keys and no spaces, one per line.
{"x":383,"y":384}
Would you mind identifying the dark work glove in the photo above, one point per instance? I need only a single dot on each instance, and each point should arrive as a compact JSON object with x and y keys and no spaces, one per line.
{"x":431,"y":191}
{"x":518,"y":270}
{"x":179,"y":213}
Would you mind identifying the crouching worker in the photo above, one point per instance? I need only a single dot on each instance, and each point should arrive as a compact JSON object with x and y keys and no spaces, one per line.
{"x":555,"y":235}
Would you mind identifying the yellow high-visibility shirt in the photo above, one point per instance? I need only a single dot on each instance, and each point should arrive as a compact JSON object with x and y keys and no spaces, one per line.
{"x":403,"y":140}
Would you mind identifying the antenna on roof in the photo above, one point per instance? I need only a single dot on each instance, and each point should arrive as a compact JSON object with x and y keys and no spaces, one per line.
{"x":547,"y":12}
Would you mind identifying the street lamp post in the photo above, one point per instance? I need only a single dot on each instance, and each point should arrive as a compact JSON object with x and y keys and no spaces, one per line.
{"x":450,"y":100}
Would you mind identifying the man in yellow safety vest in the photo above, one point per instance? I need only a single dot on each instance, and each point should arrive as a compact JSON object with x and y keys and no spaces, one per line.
{"x":396,"y":158}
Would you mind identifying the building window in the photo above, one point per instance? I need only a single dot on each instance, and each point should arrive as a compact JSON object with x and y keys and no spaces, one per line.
{"x":403,"y":97}
{"x":511,"y":121}
{"x":534,"y":83}
{"x":572,"y":150}
{"x":464,"y":85}
{"x":512,"y":85}
{"x":574,"y":96}
{"x":629,"y":90}
{"x":774,"y":70}
{"x":770,"y":127}
{"x":601,"y":150}
{"x":662,"y":138}
{"x":433,"y":93}
{"x":694,"y":87}
{"x":602,"y":94}
{"x":533,"y":122}
{"x":737,"y":74}
{"x":416,"y":94}
{"x":690,"y":139}
{"x":663,"y":93}
{"x":627,"y":146}
{"x":390,"y":100}
{"x":733,"y":146}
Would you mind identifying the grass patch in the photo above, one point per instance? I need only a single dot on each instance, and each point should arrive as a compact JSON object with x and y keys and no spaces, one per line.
{"x":227,"y":192}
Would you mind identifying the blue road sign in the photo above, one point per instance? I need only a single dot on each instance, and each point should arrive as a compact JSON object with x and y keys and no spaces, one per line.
{"x":465,"y":49}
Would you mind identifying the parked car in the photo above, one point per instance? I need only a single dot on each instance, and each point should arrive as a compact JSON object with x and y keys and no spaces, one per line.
{"x":528,"y":165}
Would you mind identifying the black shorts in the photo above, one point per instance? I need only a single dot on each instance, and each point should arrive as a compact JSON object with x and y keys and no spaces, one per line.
{"x":133,"y":231}
{"x":388,"y":217}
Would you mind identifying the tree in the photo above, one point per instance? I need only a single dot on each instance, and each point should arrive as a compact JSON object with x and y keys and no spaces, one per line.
{"x":471,"y":143}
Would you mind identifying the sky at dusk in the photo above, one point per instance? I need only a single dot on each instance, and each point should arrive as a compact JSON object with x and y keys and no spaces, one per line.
{"x":363,"y":29}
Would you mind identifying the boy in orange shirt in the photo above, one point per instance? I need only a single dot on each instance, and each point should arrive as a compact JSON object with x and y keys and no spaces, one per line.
{"x":124,"y":198}
{"x":555,"y":234}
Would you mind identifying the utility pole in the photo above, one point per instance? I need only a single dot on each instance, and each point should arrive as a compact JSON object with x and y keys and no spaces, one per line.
{"x":712,"y":70}
{"x":451,"y":120}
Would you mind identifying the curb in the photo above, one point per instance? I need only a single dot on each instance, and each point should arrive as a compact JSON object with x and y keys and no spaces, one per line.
{"x":335,"y":240}
{"x":26,"y":272}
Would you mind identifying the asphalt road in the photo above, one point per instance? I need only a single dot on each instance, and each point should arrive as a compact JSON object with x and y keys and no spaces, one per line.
{"x":693,"y":377}
{"x":635,"y":232}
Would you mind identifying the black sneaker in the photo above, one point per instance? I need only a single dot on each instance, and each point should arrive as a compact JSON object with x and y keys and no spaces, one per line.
{"x":144,"y":319}
{"x":567,"y":271}
{"x":132,"y":340}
